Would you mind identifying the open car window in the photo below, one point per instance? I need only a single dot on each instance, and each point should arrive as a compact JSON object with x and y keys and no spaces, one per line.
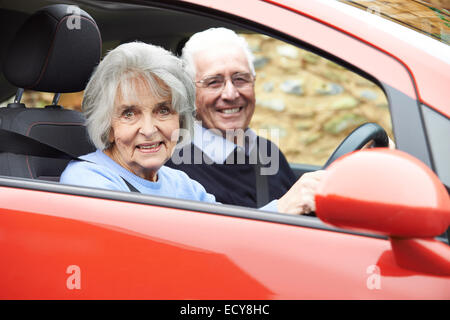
{"x":305,"y":103}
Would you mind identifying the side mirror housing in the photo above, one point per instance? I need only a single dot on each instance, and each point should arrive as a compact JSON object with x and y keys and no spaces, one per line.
{"x":384,"y":191}
{"x":390,"y":192}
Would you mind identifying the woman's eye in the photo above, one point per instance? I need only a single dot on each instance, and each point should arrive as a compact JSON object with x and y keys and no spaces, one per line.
{"x":164,"y":110}
{"x":128,"y":114}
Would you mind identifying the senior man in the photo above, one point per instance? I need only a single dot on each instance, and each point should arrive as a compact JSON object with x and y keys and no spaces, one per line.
{"x":230,"y":160}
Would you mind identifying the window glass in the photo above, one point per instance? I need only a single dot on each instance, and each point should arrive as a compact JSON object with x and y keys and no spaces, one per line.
{"x":310,"y":101}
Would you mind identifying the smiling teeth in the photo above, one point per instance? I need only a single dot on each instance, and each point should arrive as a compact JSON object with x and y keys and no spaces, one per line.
{"x":228,"y":111}
{"x":151,"y":146}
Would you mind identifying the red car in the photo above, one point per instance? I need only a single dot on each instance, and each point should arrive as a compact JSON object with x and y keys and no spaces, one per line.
{"x":381,"y":230}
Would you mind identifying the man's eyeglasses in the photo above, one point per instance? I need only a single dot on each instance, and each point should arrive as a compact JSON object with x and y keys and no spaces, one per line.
{"x":217,"y":83}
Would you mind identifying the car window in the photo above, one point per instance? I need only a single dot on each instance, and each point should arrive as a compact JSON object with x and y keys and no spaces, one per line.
{"x":308,"y":104}
{"x":305,"y":103}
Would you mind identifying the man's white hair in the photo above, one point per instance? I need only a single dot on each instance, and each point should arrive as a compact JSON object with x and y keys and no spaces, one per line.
{"x":209,"y":38}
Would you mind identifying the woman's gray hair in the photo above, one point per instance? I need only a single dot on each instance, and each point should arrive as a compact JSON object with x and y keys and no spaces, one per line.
{"x":209,"y":38}
{"x":135,"y":60}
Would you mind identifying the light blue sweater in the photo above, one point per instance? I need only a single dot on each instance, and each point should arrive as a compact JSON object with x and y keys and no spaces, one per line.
{"x":100,"y":171}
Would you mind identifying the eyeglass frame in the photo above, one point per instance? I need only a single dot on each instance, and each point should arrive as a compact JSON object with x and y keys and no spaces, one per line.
{"x":203,"y":86}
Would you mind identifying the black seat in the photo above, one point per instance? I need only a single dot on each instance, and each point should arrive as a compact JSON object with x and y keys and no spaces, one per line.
{"x":55,"y":50}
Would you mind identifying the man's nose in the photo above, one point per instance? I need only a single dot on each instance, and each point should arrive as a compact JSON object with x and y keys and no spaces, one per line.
{"x":229,"y":92}
{"x":148,"y":126}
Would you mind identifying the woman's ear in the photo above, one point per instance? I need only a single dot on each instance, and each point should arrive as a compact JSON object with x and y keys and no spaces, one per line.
{"x":111,"y":136}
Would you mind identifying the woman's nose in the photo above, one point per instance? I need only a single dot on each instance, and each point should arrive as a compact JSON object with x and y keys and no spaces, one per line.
{"x":148,"y":126}
{"x":229,"y":91}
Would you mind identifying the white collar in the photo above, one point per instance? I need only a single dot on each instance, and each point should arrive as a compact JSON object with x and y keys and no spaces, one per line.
{"x":215,"y":146}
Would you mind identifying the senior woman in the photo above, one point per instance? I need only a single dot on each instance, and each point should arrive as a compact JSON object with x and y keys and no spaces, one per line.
{"x":135,"y":103}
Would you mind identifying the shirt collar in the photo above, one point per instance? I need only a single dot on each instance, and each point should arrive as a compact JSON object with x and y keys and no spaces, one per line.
{"x":215,"y":146}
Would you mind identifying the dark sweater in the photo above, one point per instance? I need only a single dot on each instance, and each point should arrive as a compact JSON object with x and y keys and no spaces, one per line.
{"x":236,"y":183}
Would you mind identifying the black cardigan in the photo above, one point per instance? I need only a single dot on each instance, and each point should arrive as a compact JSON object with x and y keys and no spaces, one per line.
{"x":236,"y":183}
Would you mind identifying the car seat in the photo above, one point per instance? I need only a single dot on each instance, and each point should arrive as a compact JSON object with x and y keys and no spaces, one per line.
{"x":55,"y":50}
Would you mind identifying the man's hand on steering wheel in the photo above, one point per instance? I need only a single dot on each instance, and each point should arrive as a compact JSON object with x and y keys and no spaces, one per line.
{"x":300,"y":199}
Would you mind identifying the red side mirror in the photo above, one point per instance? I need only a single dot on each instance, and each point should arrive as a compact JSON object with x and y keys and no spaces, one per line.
{"x":392,"y":193}
{"x":384,"y":191}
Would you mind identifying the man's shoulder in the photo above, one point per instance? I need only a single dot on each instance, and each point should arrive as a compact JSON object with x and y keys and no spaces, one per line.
{"x":271,"y":146}
{"x":264,"y":140}
{"x":188,"y":154}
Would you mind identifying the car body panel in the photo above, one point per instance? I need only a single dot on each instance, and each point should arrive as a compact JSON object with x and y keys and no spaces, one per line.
{"x":162,"y":253}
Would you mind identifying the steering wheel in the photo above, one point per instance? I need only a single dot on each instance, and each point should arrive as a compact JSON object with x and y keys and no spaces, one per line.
{"x":358,"y":139}
{"x":355,"y":141}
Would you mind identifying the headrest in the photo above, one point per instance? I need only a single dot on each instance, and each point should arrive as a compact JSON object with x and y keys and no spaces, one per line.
{"x":55,"y":50}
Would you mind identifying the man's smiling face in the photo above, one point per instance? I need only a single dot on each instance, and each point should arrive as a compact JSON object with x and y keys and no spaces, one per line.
{"x":227,"y":108}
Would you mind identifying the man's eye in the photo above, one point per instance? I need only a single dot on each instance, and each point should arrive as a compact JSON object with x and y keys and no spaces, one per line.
{"x":214,"y":83}
{"x":240,"y":81}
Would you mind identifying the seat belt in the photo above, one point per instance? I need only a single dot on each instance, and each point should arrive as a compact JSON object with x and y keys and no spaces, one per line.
{"x":17,"y":143}
{"x":262,"y":187}
{"x":13,"y":142}
{"x":262,"y":184}
{"x":130,"y":186}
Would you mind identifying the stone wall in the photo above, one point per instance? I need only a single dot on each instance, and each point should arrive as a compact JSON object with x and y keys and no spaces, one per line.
{"x":312,"y":102}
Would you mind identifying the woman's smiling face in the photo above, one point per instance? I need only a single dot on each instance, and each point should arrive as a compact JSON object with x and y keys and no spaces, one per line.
{"x":143,"y":129}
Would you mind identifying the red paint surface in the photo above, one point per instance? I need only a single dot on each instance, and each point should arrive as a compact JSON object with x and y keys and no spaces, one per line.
{"x":387,"y":191}
{"x":135,"y":251}
{"x":422,"y":255}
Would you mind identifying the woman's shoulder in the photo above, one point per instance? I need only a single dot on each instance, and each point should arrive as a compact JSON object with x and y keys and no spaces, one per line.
{"x":90,"y":172}
{"x":184,"y":185}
